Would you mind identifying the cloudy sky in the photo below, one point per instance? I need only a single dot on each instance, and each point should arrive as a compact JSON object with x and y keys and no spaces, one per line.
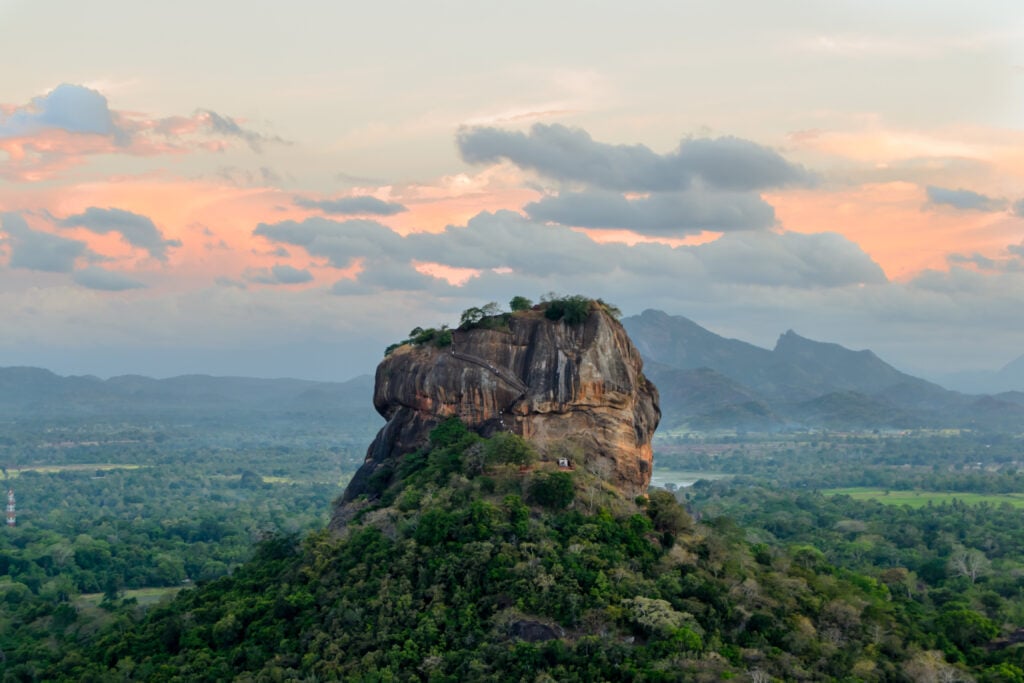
{"x":282,"y":189}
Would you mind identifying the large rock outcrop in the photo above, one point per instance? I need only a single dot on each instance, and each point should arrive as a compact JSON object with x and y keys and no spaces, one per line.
{"x":548,"y":381}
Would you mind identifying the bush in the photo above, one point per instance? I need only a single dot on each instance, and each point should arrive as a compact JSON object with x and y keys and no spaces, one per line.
{"x":505,"y":448}
{"x":667,"y":514}
{"x":572,"y":309}
{"x":419,"y":337}
{"x":553,"y":490}
{"x":448,"y":433}
{"x":488,"y":316}
{"x":520,"y":303}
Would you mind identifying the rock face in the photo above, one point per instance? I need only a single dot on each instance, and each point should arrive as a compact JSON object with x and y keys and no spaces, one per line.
{"x":547,"y":381}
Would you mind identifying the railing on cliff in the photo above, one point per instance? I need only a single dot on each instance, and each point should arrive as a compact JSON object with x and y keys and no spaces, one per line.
{"x":502,"y":373}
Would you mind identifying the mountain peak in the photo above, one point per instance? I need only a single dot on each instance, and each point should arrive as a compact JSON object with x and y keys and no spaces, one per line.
{"x":791,"y":344}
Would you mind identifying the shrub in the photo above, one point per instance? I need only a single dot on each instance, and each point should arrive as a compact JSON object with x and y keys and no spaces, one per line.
{"x":505,"y":448}
{"x":520,"y":303}
{"x":418,"y":337}
{"x":667,"y":514}
{"x":487,"y":316}
{"x":573,"y":309}
{"x":553,"y":490}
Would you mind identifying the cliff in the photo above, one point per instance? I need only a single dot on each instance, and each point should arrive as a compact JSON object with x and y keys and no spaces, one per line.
{"x":548,"y":381}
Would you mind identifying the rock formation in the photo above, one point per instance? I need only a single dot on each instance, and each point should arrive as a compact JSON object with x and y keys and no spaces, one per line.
{"x":548,"y":381}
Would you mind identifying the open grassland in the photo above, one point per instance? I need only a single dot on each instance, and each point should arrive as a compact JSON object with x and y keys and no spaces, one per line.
{"x":921,"y":498}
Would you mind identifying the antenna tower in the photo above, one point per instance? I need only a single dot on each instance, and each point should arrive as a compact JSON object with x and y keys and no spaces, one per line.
{"x":12,"y":517}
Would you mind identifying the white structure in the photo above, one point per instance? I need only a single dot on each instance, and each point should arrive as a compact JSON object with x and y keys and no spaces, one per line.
{"x":11,"y":515}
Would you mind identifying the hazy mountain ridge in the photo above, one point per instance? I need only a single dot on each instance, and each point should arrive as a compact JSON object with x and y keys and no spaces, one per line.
{"x":799,"y":383}
{"x":706,"y":382}
{"x":26,"y":391}
{"x":1009,"y":378}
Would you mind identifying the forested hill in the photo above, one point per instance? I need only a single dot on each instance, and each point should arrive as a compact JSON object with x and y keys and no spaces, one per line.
{"x":711,"y":382}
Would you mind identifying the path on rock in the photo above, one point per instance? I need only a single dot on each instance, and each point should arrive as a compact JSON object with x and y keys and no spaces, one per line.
{"x":502,"y":373}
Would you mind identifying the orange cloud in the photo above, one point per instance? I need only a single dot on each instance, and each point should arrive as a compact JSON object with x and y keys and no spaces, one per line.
{"x":47,"y":153}
{"x":891,"y":218}
{"x":454,"y":199}
{"x":214,"y":222}
{"x":629,"y":237}
{"x":453,"y":276}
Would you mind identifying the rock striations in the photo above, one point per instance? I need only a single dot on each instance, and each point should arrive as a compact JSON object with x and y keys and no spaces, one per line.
{"x":551,"y":382}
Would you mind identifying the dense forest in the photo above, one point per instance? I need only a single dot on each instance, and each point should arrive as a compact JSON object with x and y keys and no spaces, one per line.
{"x":483,"y":562}
{"x":121,"y":512}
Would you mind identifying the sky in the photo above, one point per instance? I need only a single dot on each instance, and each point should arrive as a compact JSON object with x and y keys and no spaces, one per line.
{"x":283,"y":189}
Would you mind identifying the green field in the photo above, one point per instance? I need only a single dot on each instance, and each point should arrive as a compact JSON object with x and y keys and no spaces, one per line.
{"x":922,"y":498}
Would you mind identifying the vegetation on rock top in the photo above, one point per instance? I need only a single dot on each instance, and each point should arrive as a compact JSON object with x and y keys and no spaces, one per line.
{"x":573,"y":310}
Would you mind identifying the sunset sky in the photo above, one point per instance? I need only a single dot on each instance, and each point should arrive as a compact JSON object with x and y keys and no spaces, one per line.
{"x":282,"y":189}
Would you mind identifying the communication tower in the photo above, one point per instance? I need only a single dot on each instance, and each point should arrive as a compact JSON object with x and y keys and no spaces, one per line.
{"x":12,"y":517}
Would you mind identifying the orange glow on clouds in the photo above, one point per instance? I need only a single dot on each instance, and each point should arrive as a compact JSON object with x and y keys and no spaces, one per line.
{"x":454,"y":276}
{"x":894,"y":225}
{"x":886,"y":146}
{"x":214,"y":222}
{"x":631,"y":238}
{"x":50,"y":152}
{"x":455,"y":199}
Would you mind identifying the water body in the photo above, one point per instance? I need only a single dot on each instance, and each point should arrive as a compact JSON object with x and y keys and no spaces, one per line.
{"x":682,"y":478}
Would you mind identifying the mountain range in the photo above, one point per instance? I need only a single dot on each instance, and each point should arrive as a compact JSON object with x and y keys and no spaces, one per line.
{"x":710,"y":382}
{"x":38,"y":393}
{"x":706,"y":382}
{"x":1010,"y":377}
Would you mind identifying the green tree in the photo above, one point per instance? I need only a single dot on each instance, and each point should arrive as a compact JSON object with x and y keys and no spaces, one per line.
{"x":506,"y":448}
{"x":520,"y":303}
{"x":553,"y":490}
{"x":667,"y":514}
{"x":573,"y":309}
{"x":966,"y":628}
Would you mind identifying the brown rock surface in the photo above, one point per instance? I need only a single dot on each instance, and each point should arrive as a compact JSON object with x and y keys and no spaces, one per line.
{"x":545,"y":380}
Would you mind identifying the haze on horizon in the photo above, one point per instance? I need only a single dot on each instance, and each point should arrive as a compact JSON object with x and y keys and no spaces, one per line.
{"x":271,"y":190}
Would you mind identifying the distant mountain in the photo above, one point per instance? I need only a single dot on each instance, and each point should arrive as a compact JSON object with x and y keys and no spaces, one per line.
{"x":1008,"y":378}
{"x":34,"y":392}
{"x":1012,"y":374}
{"x":704,"y":399}
{"x":708,"y":381}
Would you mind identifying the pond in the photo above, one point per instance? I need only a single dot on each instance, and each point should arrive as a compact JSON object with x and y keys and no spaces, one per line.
{"x":682,"y":478}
